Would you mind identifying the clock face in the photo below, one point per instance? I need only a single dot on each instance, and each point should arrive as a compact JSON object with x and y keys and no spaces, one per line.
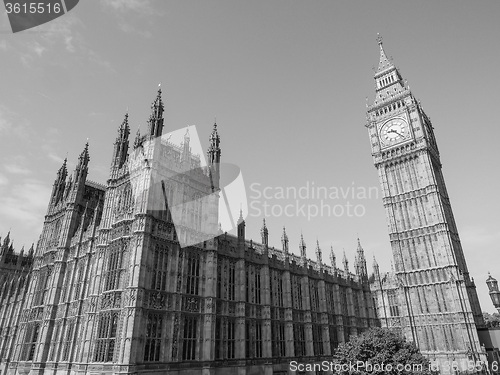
{"x":394,"y":131}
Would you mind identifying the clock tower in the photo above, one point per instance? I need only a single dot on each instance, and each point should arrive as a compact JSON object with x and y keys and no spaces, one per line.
{"x":438,"y":308}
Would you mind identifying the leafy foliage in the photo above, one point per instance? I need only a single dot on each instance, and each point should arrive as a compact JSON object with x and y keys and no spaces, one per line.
{"x":386,"y":351}
{"x":492,"y":321}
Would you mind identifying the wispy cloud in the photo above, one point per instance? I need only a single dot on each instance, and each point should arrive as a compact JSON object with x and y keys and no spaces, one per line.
{"x":17,"y":169}
{"x":25,"y":201}
{"x":62,"y":30}
{"x":5,"y":122}
{"x":12,"y":124}
{"x":3,"y":180}
{"x":126,"y":12}
{"x":138,"y":6}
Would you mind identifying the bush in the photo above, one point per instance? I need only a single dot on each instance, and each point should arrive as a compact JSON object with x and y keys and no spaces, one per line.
{"x":386,"y":351}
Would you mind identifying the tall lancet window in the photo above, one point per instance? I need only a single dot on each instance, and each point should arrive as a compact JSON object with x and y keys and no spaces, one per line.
{"x":189,"y":338}
{"x":106,"y":337}
{"x":112,"y":275}
{"x":193,"y":274}
{"x":160,"y":268}
{"x":152,"y":347}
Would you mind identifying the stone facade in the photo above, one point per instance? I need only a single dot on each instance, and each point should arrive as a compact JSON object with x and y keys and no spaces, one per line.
{"x":14,"y":280}
{"x":111,"y":291}
{"x":430,"y":296}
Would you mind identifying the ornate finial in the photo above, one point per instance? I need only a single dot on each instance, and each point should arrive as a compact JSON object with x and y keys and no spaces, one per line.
{"x":379,"y":38}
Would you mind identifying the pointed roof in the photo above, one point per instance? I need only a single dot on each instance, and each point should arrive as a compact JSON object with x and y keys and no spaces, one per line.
{"x":158,"y":101}
{"x":302,"y":242}
{"x":214,"y":136}
{"x":346,"y":262}
{"x":63,"y":170}
{"x":124,"y":129}
{"x":6,"y":240}
{"x":333,"y":258}
{"x":264,"y":227}
{"x":318,"y":252}
{"x":284,"y":236}
{"x":84,"y":156}
{"x":384,"y":63}
{"x":240,"y":219}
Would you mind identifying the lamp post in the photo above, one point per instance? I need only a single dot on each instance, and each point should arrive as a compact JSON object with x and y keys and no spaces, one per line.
{"x":494,"y":292}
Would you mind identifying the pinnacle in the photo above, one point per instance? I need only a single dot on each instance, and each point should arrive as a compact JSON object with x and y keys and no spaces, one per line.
{"x":384,"y":62}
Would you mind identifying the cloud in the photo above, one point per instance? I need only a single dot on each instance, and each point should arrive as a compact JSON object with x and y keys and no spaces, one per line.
{"x":5,"y":122}
{"x":37,"y":48}
{"x":127,"y":10}
{"x":17,"y":169}
{"x":62,"y":30}
{"x":3,"y":180}
{"x":24,"y":202}
{"x":12,"y":124}
{"x":3,"y":45}
{"x":139,"y":6}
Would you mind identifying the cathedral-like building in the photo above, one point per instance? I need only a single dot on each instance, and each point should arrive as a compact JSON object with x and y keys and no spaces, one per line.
{"x":111,"y":289}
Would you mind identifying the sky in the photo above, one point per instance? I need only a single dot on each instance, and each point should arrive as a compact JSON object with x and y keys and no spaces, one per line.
{"x":288,"y":82}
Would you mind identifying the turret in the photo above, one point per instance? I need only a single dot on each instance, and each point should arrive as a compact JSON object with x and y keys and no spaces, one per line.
{"x":264,"y":234}
{"x":284,"y":242}
{"x":155,"y":122}
{"x":214,"y":153}
{"x":302,"y":247}
{"x":333,"y":258}
{"x":241,"y":228}
{"x":186,"y":151}
{"x":59,"y":184}
{"x":319,"y":256}
{"x":6,"y":243}
{"x":360,"y":262}
{"x":120,"y":151}
{"x":81,"y":170}
{"x":346,"y":263}
{"x":376,"y":270}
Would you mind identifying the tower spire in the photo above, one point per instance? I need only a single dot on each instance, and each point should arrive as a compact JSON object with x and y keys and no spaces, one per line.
{"x":319,"y":256}
{"x":284,"y":241}
{"x":155,"y":122}
{"x":264,"y":233}
{"x":60,"y":182}
{"x":346,"y":263}
{"x":360,"y":263}
{"x":384,"y":63}
{"x":333,"y":259}
{"x":82,"y":166}
{"x":121,"y":143}
{"x":388,"y":80}
{"x":302,"y":247}
{"x":213,"y":154}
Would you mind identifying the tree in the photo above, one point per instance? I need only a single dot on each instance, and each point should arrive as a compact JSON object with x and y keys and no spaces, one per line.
{"x":492,"y":321}
{"x":380,"y":351}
